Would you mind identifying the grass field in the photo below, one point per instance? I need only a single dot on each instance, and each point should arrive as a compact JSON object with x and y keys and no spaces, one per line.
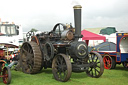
{"x":118,"y":76}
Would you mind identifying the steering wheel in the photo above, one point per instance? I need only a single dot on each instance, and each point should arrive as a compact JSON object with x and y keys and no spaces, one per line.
{"x":58,"y":25}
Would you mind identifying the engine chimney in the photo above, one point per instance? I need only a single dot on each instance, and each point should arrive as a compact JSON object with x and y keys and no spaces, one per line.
{"x":77,"y":20}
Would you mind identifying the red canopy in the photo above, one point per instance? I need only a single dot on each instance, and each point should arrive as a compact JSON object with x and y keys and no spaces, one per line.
{"x":1,"y":33}
{"x":91,"y":36}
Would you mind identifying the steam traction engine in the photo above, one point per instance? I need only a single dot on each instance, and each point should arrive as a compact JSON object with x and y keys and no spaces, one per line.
{"x":60,"y":50}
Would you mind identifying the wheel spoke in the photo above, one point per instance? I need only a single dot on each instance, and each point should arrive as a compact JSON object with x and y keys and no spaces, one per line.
{"x":57,"y":62}
{"x":28,"y":47}
{"x":61,"y":61}
{"x":92,"y":71}
{"x":96,"y":59}
{"x":98,"y":62}
{"x":92,"y":57}
{"x":97,"y":70}
{"x":106,"y":59}
{"x":24,"y":50}
{"x":89,"y":60}
{"x":98,"y":66}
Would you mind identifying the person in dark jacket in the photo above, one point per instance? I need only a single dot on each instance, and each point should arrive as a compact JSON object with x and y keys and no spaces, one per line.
{"x":14,"y":60}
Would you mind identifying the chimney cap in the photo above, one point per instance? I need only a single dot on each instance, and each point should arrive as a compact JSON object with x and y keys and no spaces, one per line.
{"x":77,"y":7}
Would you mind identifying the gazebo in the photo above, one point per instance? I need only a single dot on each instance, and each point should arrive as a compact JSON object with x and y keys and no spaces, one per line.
{"x":91,"y":36}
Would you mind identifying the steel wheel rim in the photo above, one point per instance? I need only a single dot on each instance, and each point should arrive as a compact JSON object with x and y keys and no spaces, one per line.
{"x":5,"y":74}
{"x":61,"y":68}
{"x":97,"y":66}
{"x":107,"y":62}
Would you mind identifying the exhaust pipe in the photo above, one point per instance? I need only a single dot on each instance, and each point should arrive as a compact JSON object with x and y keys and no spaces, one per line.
{"x":77,"y":21}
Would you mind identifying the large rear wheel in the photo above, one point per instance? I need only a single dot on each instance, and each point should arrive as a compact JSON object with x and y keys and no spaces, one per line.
{"x":97,"y":66}
{"x":61,"y":67}
{"x":31,"y":57}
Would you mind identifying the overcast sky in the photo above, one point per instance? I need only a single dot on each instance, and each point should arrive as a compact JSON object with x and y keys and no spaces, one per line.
{"x":44,"y":14}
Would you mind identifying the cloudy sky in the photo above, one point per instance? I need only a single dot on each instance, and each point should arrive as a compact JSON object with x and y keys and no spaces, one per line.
{"x":44,"y":14}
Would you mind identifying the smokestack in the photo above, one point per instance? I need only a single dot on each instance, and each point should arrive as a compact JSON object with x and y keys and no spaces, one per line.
{"x":77,"y":20}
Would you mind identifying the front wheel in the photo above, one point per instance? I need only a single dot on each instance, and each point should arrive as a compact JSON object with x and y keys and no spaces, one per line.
{"x":6,"y":75}
{"x":61,"y":67}
{"x":97,"y":66}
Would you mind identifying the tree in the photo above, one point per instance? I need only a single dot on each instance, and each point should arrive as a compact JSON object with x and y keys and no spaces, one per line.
{"x":33,"y":30}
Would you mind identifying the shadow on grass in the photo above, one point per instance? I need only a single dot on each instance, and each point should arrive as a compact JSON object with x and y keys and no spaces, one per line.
{"x":47,"y":71}
{"x":74,"y":75}
{"x":79,"y":75}
{"x":125,"y":75}
{"x":121,"y":68}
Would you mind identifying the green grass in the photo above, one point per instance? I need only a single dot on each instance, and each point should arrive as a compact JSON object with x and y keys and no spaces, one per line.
{"x":118,"y":76}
